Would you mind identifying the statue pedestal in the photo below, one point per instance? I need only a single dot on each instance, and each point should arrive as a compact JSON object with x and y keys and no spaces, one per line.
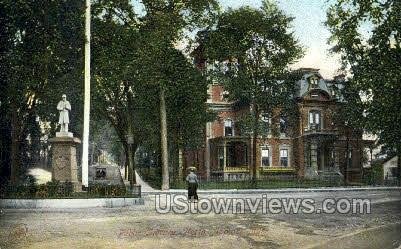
{"x":64,"y":160}
{"x":64,"y":134}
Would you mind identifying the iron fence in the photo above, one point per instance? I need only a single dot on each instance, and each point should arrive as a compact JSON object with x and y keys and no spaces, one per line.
{"x":66,"y":190}
{"x":262,"y":182}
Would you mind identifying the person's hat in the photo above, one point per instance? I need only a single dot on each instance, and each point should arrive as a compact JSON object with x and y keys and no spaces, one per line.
{"x":64,"y":96}
{"x":192,"y":168}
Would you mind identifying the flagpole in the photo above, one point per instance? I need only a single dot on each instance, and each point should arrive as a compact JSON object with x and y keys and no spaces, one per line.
{"x":85,"y":141}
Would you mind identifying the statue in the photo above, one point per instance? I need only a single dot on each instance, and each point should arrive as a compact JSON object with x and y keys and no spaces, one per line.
{"x":64,"y":149}
{"x":64,"y":106}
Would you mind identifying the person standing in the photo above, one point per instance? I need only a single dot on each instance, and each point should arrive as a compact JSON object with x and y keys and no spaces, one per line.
{"x":192,"y":180}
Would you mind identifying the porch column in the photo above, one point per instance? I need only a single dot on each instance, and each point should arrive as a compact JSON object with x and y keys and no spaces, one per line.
{"x":207,"y":150}
{"x":336,"y":158}
{"x":250,"y":153}
{"x":207,"y":159}
{"x":225,"y":159}
{"x":313,"y":151}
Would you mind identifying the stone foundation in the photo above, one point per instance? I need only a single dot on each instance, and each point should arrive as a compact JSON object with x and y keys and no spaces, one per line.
{"x":64,"y":160}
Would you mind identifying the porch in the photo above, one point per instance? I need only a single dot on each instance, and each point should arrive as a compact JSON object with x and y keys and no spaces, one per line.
{"x":321,"y":155}
{"x":230,"y":157}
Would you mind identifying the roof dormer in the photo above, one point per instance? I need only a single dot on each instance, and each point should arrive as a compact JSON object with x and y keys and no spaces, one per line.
{"x":312,"y":83}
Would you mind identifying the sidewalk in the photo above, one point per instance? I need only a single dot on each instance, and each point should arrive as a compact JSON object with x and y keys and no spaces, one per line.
{"x":263,"y":191}
{"x":148,"y":190}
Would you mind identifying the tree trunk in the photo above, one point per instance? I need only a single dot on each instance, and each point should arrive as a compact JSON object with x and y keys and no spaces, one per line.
{"x":124,"y":160}
{"x":399,"y":164}
{"x":347,"y":162}
{"x":164,"y":154}
{"x":254,"y":142}
{"x":15,"y":151}
{"x":131,"y":168}
{"x":130,"y":163}
{"x":131,"y":172}
{"x":180,"y":164}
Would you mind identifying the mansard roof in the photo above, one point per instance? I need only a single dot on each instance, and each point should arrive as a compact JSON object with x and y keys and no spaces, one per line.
{"x":311,"y":79}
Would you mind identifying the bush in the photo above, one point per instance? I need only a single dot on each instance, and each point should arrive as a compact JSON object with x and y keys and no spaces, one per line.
{"x":57,"y":189}
{"x":101,"y":190}
{"x":373,"y":175}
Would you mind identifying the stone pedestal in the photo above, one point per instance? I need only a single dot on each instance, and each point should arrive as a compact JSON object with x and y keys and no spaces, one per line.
{"x":64,"y":134}
{"x":64,"y":160}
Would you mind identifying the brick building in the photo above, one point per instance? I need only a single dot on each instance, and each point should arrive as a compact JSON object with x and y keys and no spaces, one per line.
{"x":313,"y":146}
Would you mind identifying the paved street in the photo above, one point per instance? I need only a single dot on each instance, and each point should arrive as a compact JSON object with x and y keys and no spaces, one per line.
{"x":143,"y":227}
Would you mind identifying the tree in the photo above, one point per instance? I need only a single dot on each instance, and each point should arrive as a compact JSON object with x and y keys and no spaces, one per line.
{"x":166,"y":22}
{"x":115,"y":62}
{"x":251,"y":50}
{"x":137,"y":68}
{"x":39,"y":51}
{"x":367,"y":35}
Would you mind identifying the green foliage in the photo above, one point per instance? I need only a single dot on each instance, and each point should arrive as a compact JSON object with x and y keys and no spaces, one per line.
{"x":253,"y":48}
{"x":40,"y":55}
{"x":372,"y":59}
{"x":248,"y":51}
{"x":152,"y":175}
{"x":40,"y":58}
{"x":374,"y":174}
{"x":367,"y":34}
{"x":31,"y":190}
{"x":134,"y":57}
{"x":62,"y":190}
{"x":103,"y":190}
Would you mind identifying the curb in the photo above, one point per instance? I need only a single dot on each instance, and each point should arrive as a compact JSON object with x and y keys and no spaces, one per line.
{"x":69,"y":203}
{"x":263,"y":191}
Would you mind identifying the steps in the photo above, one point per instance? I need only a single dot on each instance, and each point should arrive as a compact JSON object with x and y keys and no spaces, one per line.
{"x":331,"y":176}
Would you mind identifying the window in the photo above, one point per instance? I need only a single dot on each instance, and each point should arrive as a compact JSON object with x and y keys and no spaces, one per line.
{"x":314,"y":120}
{"x":228,"y":128}
{"x":283,"y":124}
{"x":266,"y":119}
{"x":265,"y":157}
{"x":393,"y":172}
{"x":220,"y":157}
{"x":224,"y":95}
{"x":348,"y":156}
{"x":284,"y":157}
{"x":333,"y":92}
{"x":313,"y":81}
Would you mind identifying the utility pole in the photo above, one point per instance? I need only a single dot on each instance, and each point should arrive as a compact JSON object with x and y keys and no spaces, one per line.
{"x":85,"y":142}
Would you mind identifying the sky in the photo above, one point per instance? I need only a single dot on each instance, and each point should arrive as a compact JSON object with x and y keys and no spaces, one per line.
{"x":308,"y":27}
